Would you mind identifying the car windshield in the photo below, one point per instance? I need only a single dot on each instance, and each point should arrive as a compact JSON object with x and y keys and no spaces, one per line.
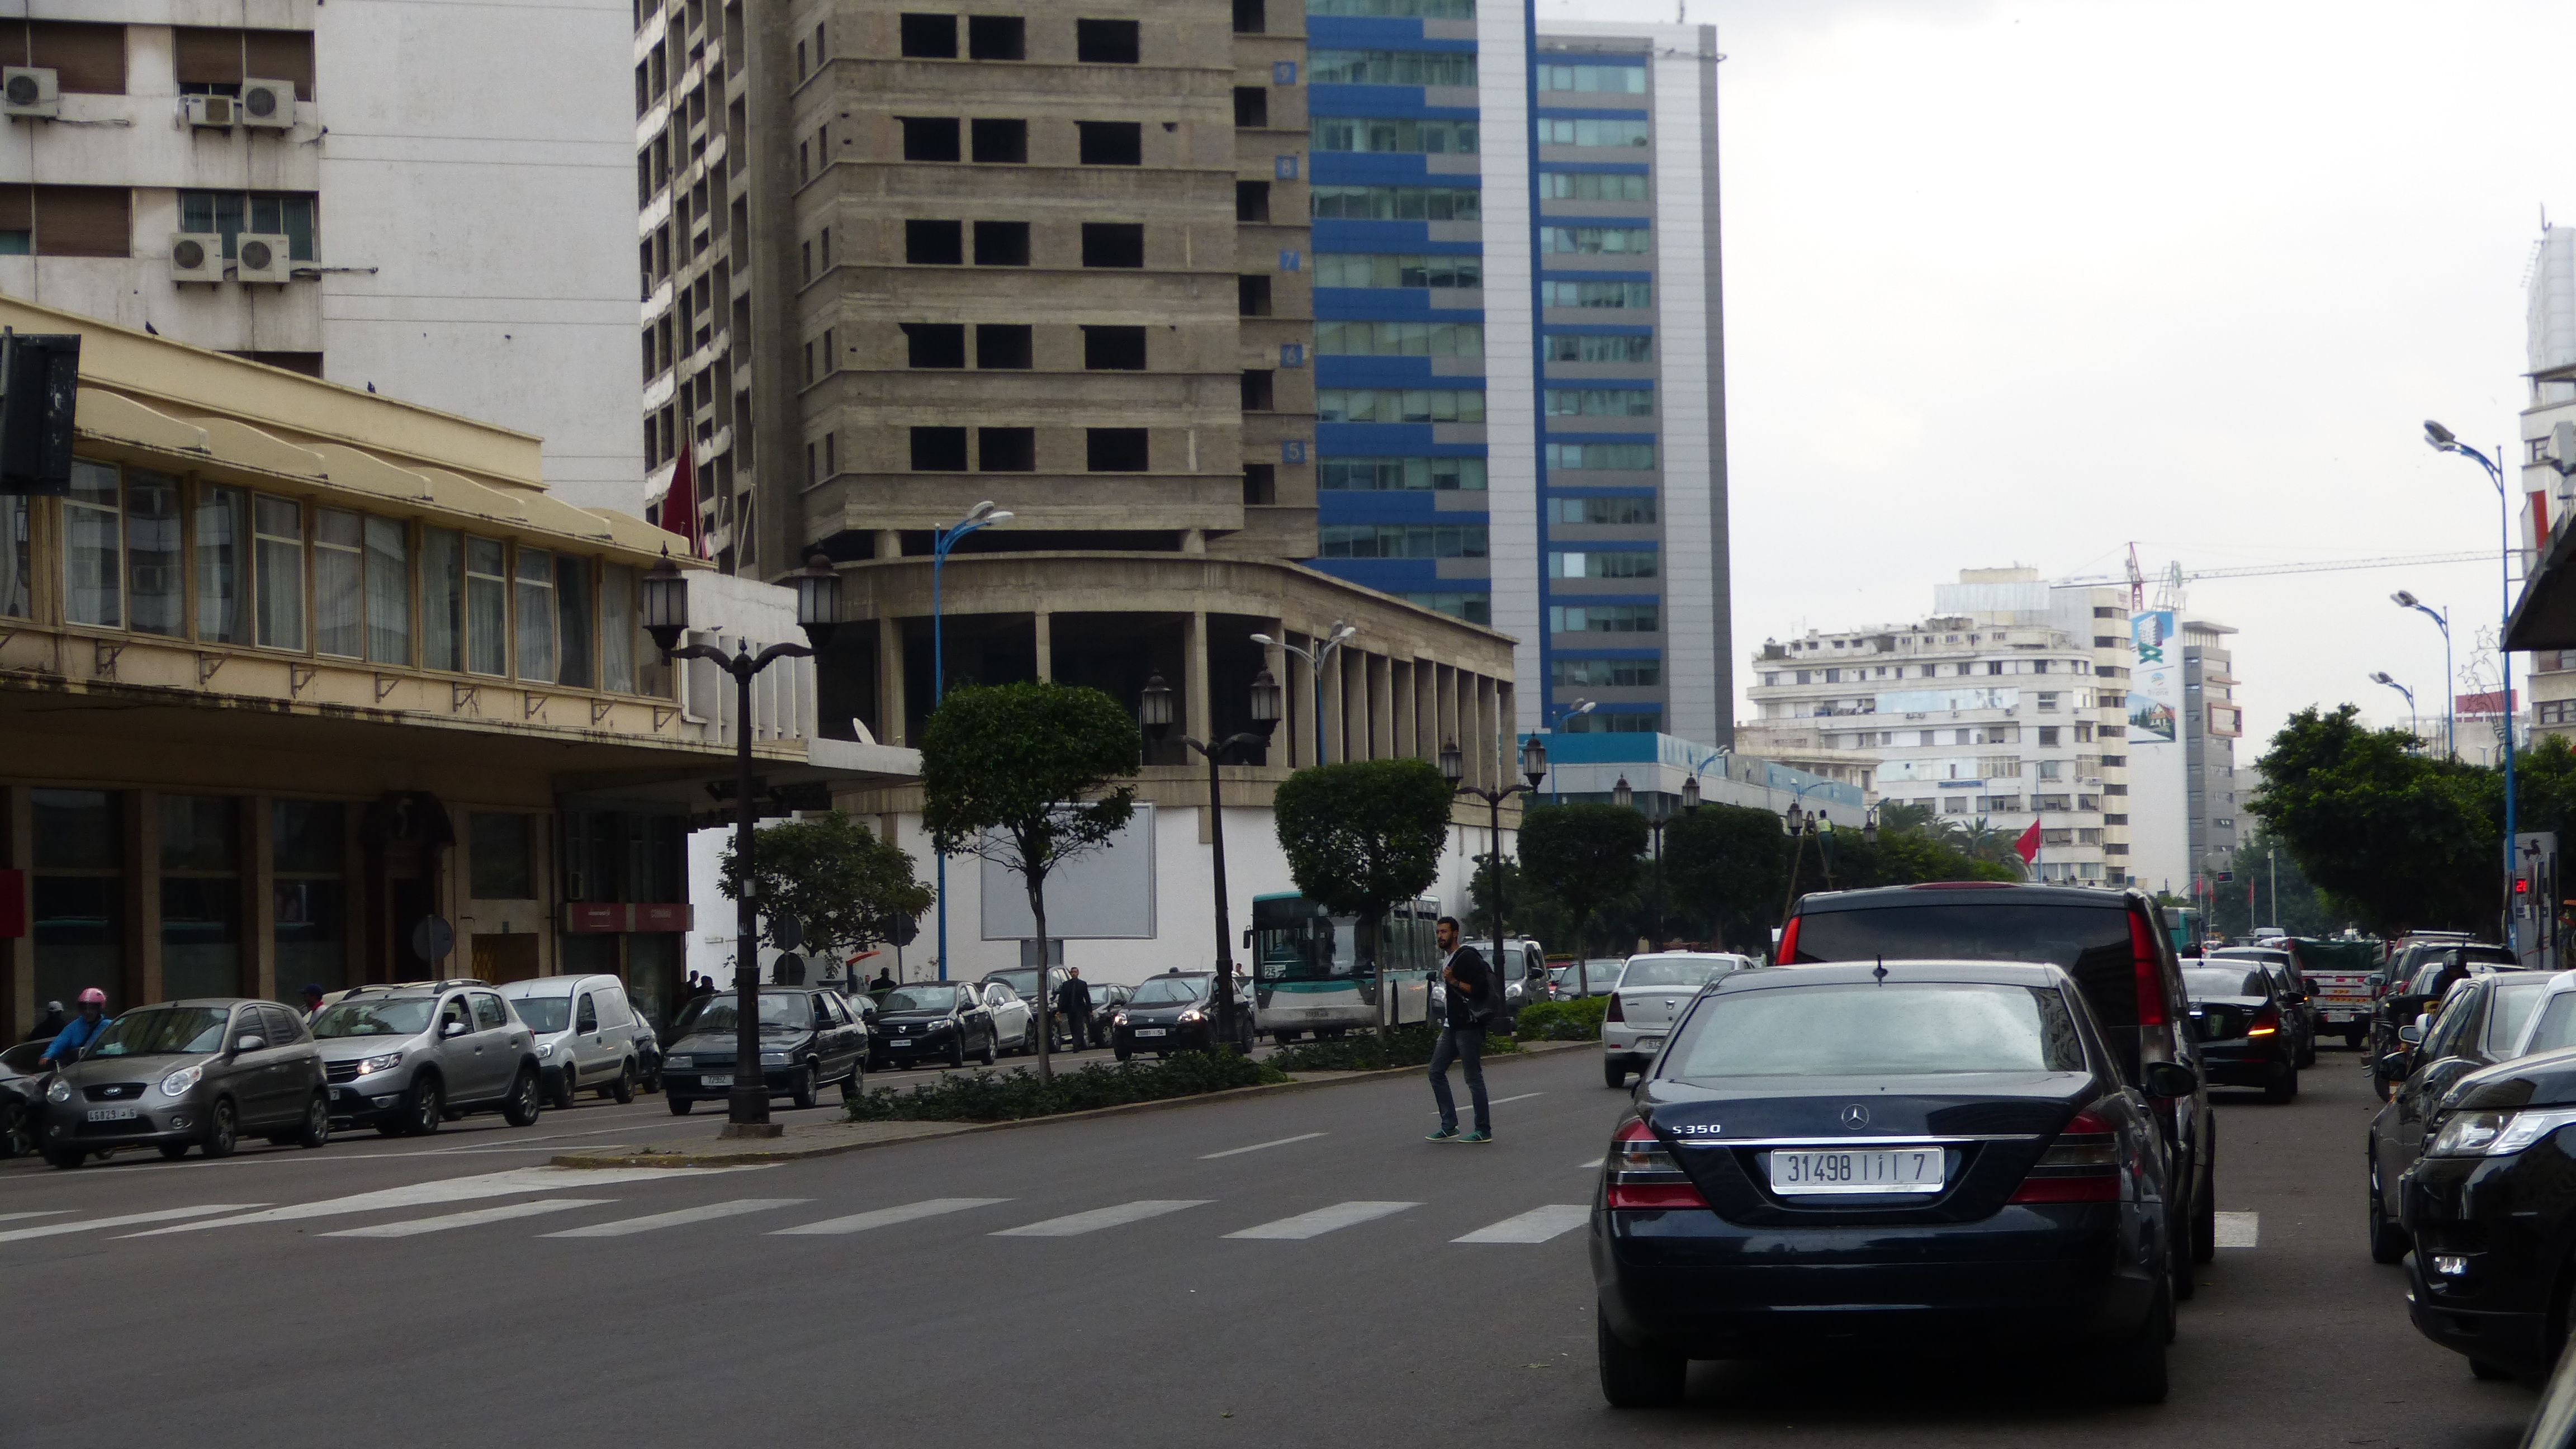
{"x":919,"y":998}
{"x":1169,"y":991}
{"x":1874,"y":1030}
{"x":779,"y":1011}
{"x":374,"y":1016}
{"x":1671,"y":972}
{"x":1024,"y":981}
{"x":2511,"y":1004}
{"x":160,"y":1029}
{"x":544,"y":1013}
{"x":2217,"y":981}
{"x":2557,"y":1028}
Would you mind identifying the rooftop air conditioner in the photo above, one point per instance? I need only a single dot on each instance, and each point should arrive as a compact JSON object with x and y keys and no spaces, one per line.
{"x":261,"y":257}
{"x":29,"y":90}
{"x":219,"y":112}
{"x":196,"y":256}
{"x":268,"y":103}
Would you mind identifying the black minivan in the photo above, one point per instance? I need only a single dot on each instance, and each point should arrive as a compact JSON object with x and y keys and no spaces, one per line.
{"x":2113,"y":942}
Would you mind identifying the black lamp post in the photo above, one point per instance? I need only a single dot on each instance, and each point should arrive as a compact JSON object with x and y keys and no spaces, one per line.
{"x":1156,"y":715}
{"x":1800,"y":824}
{"x":1453,"y":768}
{"x":1657,"y":817}
{"x":666,"y":618}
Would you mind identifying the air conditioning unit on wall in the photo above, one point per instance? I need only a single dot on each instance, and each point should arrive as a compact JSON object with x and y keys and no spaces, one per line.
{"x":218,"y":112}
{"x":268,"y":104}
{"x":196,"y":256}
{"x":261,"y":257}
{"x":30,"y":90}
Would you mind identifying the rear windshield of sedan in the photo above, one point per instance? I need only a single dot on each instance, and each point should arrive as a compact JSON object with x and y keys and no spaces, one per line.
{"x":1672,"y":973}
{"x":1169,"y":991}
{"x":377,"y":1016}
{"x":2061,"y":936}
{"x":1900,"y":1028}
{"x":155,"y":1030}
{"x":2208,"y":981}
{"x":920,"y":998}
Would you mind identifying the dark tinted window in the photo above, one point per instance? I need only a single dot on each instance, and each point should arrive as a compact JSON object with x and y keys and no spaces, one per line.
{"x":996,"y":37}
{"x":2219,"y":981}
{"x":2090,"y":942}
{"x":2515,"y":997}
{"x":1105,"y":42}
{"x":1867,"y":1029}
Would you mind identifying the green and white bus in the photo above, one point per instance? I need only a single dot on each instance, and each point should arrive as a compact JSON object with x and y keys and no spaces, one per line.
{"x":1307,"y":975}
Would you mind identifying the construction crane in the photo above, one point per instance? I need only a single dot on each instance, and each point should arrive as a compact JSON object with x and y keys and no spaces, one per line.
{"x":2175,"y":575}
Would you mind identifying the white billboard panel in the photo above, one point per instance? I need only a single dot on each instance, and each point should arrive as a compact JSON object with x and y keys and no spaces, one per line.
{"x":2159,"y":805}
{"x":1105,"y":895}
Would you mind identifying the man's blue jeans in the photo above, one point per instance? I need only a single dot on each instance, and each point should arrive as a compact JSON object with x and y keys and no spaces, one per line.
{"x":1465,"y":1044}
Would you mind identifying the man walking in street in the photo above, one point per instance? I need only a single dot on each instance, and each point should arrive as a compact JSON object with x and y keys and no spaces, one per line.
{"x":1073,"y":1003}
{"x":1468,"y":996}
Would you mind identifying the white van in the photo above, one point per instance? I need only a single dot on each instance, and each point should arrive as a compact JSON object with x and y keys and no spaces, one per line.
{"x":585,"y":1030}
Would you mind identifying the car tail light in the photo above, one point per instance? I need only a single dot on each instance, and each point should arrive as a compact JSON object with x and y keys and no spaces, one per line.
{"x":2150,"y":969}
{"x":1643,"y":1173}
{"x":1787,"y":954}
{"x":1614,"y":1013}
{"x":2267,"y":1022}
{"x":2082,"y":1165}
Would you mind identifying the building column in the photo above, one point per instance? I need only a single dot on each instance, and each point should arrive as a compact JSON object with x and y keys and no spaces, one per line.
{"x":890,"y":703}
{"x":1334,"y":734}
{"x":1380,"y":677}
{"x":1399,"y":692}
{"x":1297,"y":702}
{"x":143,"y":898}
{"x":259,"y":906}
{"x":1426,"y":709}
{"x":1045,"y":629}
{"x":1488,"y":726}
{"x":889,"y":543}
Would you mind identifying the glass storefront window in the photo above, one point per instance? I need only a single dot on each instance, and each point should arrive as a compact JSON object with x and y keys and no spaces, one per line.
{"x":79,"y":924}
{"x":201,"y":905}
{"x":504,"y":865}
{"x":310,"y":894}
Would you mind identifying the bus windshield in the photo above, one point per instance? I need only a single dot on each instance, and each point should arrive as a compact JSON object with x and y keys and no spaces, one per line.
{"x":1293,"y":940}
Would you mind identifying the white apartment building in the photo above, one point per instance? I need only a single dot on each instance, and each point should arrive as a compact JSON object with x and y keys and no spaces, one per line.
{"x":422,"y":198}
{"x":1992,"y":709}
{"x":2551,"y":344}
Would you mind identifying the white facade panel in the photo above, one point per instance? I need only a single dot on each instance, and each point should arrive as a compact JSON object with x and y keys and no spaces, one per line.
{"x":1511,"y":378}
{"x":1685,"y":168}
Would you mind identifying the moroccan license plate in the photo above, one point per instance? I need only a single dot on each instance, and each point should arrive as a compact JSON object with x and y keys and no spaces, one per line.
{"x":903,"y":1044}
{"x":1901,"y":1169}
{"x":713,"y":1080}
{"x":1149,"y":1031}
{"x":112,"y":1114}
{"x":1650,"y":1043}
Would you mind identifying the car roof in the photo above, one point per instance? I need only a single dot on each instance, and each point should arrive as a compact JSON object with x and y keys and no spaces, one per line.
{"x":1964,"y":893}
{"x":1964,"y":973}
{"x":558,"y":985}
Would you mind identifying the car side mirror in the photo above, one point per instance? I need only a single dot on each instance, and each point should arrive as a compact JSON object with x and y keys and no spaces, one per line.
{"x":2169,"y":1079}
{"x":451,"y":1029}
{"x":248,"y":1042}
{"x":2411,"y":1035}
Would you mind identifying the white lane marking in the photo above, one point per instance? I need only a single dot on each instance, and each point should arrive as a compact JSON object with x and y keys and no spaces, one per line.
{"x":507,"y":1183}
{"x":1535,"y":1226}
{"x":1593,"y":1165}
{"x":628,"y":1227}
{"x":888,"y":1217}
{"x":22,"y":1217}
{"x":49,"y":1230}
{"x":1076,"y":1224}
{"x":2238,"y":1230}
{"x":1324,"y":1220}
{"x":473,"y":1218}
{"x":1501,"y":1101}
{"x":1257,"y":1146}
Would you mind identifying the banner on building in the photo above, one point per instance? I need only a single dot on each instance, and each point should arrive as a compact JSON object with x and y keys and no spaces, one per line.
{"x":2159,"y":820}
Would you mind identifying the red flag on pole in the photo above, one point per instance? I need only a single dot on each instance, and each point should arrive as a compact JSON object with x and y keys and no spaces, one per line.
{"x":680,"y":502}
{"x":2028,"y":846}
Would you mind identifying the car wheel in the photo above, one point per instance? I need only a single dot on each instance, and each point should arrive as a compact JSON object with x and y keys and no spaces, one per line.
{"x":423,"y":1109}
{"x":173,"y":1151}
{"x":622,"y":1091}
{"x":1029,"y":1041}
{"x":2489,"y":1371}
{"x":992,"y":1049}
{"x":1613,"y":1075}
{"x":565,"y":1090}
{"x":2133,"y":1367}
{"x":1638,"y":1378}
{"x":223,"y":1130}
{"x":804,"y":1091}
{"x":2387,"y":1240}
{"x":17,"y":1131}
{"x":957,"y":1051}
{"x":2179,"y":1247}
{"x":2379,"y":1080}
{"x":2284,"y":1090}
{"x":525,"y":1103}
{"x":317,"y":1125}
{"x":65,"y":1158}
{"x":680,"y":1105}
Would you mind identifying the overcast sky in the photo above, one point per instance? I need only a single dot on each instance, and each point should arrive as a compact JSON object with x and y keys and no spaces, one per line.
{"x":2021,"y":283}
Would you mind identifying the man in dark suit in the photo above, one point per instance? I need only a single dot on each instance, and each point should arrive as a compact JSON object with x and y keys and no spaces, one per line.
{"x":1073,"y":1004}
{"x":1467,"y":999}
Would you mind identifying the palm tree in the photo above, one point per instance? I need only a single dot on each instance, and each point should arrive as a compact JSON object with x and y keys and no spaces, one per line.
{"x":1981,"y":841}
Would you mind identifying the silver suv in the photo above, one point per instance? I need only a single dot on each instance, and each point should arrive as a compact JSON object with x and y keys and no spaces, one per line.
{"x":406,"y":1058}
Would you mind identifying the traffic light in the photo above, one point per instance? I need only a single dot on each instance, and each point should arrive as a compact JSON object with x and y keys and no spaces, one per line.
{"x":39,"y":392}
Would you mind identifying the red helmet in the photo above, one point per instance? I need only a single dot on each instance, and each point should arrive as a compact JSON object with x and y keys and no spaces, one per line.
{"x":93,"y":997}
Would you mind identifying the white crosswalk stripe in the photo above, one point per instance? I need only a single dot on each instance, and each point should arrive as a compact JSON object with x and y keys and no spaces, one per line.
{"x":888,"y":1217}
{"x":1535,"y":1226}
{"x":1259,"y":1146}
{"x":22,"y":1217}
{"x":1324,"y":1220}
{"x":128,"y":1220}
{"x":1074,"y":1225}
{"x":2237,"y":1230}
{"x":628,"y":1227}
{"x":455,"y":1189}
{"x":472,"y":1218}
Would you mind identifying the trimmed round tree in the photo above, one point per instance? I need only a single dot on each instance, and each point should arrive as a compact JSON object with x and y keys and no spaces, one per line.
{"x":830,"y":875}
{"x":1363,"y":835}
{"x":1582,"y":855}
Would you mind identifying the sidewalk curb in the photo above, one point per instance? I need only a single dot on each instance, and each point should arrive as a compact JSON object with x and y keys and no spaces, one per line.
{"x":931,"y":1131}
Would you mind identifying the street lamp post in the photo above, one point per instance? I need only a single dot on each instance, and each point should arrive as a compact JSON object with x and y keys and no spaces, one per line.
{"x":982,"y":515}
{"x":1453,"y":768}
{"x":1656,"y":818}
{"x":1556,"y":795}
{"x":2382,"y":677}
{"x":2450,"y":682}
{"x":1335,"y":636}
{"x":2443,"y":440}
{"x":666,"y":618}
{"x":1156,"y":714}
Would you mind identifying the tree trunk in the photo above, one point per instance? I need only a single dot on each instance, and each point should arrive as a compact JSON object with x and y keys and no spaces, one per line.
{"x":1044,"y":1006}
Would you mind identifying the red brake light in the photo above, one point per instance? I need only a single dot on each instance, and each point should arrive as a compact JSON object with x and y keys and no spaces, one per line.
{"x":2085,"y":1124}
{"x":1613,"y":1013}
{"x":2267,"y":1022}
{"x":1643,"y":1174}
{"x":2082,"y":1165}
{"x":1787,"y":954}
{"x":2150,"y":970}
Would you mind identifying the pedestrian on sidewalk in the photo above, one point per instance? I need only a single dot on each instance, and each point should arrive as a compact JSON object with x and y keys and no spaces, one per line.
{"x":1073,"y":1003}
{"x":1467,"y":999}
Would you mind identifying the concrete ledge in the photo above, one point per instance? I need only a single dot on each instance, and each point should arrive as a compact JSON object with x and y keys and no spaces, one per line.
{"x":831,"y":1139}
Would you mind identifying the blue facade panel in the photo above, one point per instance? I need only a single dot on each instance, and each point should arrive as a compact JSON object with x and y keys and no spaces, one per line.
{"x":1379,"y":168}
{"x":1347,"y":371}
{"x":1375,"y":440}
{"x":1581,"y":651}
{"x":1392,"y":575}
{"x":1597,"y":168}
{"x":1389,"y":304}
{"x":1335,"y":235}
{"x":1588,"y":329}
{"x":1394,"y":505}
{"x":1376,"y":32}
{"x":1390,"y":102}
{"x":1593,"y":113}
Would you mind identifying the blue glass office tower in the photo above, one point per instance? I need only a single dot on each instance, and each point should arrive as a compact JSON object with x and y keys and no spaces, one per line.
{"x":1520,"y":384}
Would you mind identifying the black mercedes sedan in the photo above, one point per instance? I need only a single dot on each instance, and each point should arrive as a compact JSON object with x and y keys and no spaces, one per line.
{"x":2491,"y":1207}
{"x":1894,"y":1154}
{"x":2248,"y":1031}
{"x":942,"y":1022}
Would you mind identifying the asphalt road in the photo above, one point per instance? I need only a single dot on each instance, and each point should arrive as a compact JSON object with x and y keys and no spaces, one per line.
{"x":1285,"y":1270}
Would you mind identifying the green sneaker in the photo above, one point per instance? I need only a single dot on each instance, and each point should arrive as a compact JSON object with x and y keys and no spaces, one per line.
{"x":1445,"y":1134}
{"x":1478,"y":1137}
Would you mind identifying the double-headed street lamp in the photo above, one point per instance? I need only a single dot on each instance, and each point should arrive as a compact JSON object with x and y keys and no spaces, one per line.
{"x":1657,"y":817}
{"x":1155,"y":713}
{"x":1557,"y":717}
{"x":982,"y":515}
{"x":2443,"y":440}
{"x":1453,"y":768}
{"x":2450,"y":688}
{"x":666,"y":618}
{"x":2382,"y":676}
{"x":1316,"y":658}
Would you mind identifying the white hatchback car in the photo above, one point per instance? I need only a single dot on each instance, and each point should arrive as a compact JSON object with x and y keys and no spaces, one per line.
{"x":585,"y":1029}
{"x":1652,"y":990}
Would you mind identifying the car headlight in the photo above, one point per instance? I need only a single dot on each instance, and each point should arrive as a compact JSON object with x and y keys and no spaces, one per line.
{"x":1118,"y":1020}
{"x":1188,"y":1016}
{"x":58,"y":1090}
{"x":2496,"y":1134}
{"x":545,"y":1049}
{"x":182,"y":1081}
{"x":385,"y":1063}
{"x":773,"y":1059}
{"x":682,"y":1060}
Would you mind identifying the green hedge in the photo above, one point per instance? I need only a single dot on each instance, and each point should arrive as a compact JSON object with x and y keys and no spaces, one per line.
{"x":1406,"y":1046}
{"x":1001,"y":1097}
{"x":1576,"y":1020}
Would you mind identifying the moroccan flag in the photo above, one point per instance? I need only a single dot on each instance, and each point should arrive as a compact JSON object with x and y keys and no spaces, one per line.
{"x":2028,"y":846}
{"x":679,"y":512}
